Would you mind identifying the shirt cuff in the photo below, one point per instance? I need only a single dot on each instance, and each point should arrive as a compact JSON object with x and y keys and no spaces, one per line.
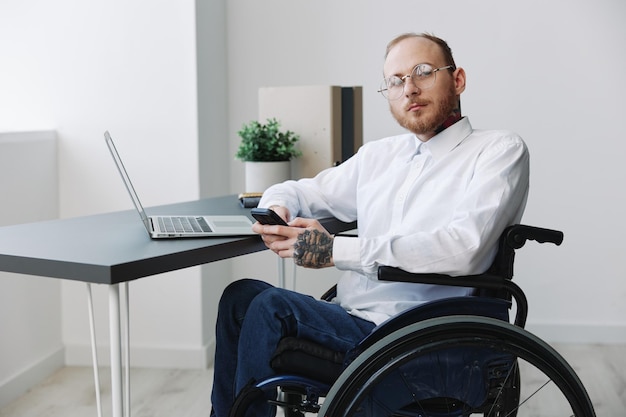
{"x":347,"y":253}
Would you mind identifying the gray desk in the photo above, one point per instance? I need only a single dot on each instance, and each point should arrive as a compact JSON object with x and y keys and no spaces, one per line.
{"x":114,"y":248}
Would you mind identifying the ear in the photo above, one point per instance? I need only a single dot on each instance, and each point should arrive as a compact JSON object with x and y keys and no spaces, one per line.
{"x":459,"y":80}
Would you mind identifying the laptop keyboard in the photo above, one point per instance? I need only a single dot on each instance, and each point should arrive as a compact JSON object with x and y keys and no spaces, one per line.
{"x":183,"y":225}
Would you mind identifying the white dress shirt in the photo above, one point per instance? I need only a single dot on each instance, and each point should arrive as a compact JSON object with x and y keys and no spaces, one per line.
{"x":437,"y":206}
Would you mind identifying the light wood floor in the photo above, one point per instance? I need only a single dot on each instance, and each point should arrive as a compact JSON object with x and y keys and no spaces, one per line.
{"x":186,"y":393}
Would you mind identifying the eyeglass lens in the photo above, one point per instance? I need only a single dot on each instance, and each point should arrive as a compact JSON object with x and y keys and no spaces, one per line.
{"x":423,"y":77}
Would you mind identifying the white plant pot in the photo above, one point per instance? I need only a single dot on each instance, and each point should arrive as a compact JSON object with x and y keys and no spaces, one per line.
{"x":261,"y":175}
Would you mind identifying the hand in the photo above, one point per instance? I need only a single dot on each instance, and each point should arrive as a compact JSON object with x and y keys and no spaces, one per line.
{"x":314,"y":246}
{"x":305,"y":240}
{"x":268,"y":236}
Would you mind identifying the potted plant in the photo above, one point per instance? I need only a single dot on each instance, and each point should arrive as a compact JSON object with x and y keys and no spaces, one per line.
{"x":266,"y":151}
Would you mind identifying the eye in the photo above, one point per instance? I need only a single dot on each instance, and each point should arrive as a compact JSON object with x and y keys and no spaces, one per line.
{"x":423,"y":71}
{"x":394,"y":81}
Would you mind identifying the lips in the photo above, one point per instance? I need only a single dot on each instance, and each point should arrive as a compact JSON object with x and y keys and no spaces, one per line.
{"x":415,"y":107}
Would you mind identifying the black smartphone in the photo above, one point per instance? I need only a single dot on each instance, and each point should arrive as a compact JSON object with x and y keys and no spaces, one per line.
{"x":267,"y":216}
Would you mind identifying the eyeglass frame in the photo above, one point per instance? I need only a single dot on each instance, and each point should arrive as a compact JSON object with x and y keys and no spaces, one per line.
{"x":410,"y":75}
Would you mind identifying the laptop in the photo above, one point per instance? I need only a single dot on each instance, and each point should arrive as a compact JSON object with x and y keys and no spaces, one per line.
{"x":178,"y":226}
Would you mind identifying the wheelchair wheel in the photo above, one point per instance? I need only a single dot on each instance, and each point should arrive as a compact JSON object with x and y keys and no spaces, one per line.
{"x":395,"y":377}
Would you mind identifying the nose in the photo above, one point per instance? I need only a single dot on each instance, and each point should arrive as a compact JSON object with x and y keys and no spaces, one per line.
{"x":410,"y":88}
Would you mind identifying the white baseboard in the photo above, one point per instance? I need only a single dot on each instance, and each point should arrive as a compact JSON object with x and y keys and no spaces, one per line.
{"x":14,"y":386}
{"x":579,"y":333}
{"x":145,"y":356}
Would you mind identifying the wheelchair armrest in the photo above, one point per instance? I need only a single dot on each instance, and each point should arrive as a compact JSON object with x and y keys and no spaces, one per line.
{"x":499,"y":275}
{"x":514,"y":237}
{"x":518,"y":234}
{"x":484,"y":281}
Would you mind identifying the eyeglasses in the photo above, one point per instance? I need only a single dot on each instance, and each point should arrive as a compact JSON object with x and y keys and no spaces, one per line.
{"x":423,"y":77}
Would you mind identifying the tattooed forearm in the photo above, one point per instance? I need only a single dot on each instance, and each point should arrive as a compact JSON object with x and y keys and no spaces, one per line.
{"x":313,"y":249}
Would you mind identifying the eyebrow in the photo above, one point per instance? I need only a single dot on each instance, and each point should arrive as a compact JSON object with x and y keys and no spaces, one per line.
{"x":398,"y":74}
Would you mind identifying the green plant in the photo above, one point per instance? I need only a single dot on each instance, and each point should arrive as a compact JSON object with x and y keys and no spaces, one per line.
{"x":266,"y":142}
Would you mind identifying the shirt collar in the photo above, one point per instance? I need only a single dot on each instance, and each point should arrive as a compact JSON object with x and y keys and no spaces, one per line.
{"x":442,"y":143}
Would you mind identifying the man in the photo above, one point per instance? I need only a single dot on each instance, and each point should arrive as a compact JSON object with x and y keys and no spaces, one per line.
{"x":432,"y":200}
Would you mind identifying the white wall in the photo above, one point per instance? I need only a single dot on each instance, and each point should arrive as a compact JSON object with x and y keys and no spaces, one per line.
{"x":552,"y":71}
{"x":30,"y":307}
{"x":213,"y":144}
{"x":81,"y":68}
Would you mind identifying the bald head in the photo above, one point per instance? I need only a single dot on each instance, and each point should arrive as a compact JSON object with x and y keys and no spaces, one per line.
{"x":444,"y":49}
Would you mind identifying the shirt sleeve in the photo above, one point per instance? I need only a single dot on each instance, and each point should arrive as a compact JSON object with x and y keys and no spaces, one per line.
{"x":331,"y":193}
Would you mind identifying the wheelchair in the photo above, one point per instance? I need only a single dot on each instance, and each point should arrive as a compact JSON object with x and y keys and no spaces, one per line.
{"x":452,"y":357}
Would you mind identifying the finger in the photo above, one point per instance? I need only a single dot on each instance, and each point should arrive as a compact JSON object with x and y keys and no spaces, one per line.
{"x":257,"y":227}
{"x":265,"y":229}
{"x":282,"y":245}
{"x":276,"y":230}
{"x":287,"y":253}
{"x":307,"y":224}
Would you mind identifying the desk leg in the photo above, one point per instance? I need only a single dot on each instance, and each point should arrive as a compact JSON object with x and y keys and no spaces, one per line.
{"x":94,"y":352}
{"x":126,"y":348}
{"x":281,"y":273}
{"x":116,"y":350}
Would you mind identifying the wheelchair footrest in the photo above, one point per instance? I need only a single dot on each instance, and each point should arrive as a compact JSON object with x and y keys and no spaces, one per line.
{"x":303,"y":407}
{"x":298,"y":400}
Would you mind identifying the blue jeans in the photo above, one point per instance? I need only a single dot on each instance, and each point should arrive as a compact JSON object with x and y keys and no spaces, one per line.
{"x":252,"y":318}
